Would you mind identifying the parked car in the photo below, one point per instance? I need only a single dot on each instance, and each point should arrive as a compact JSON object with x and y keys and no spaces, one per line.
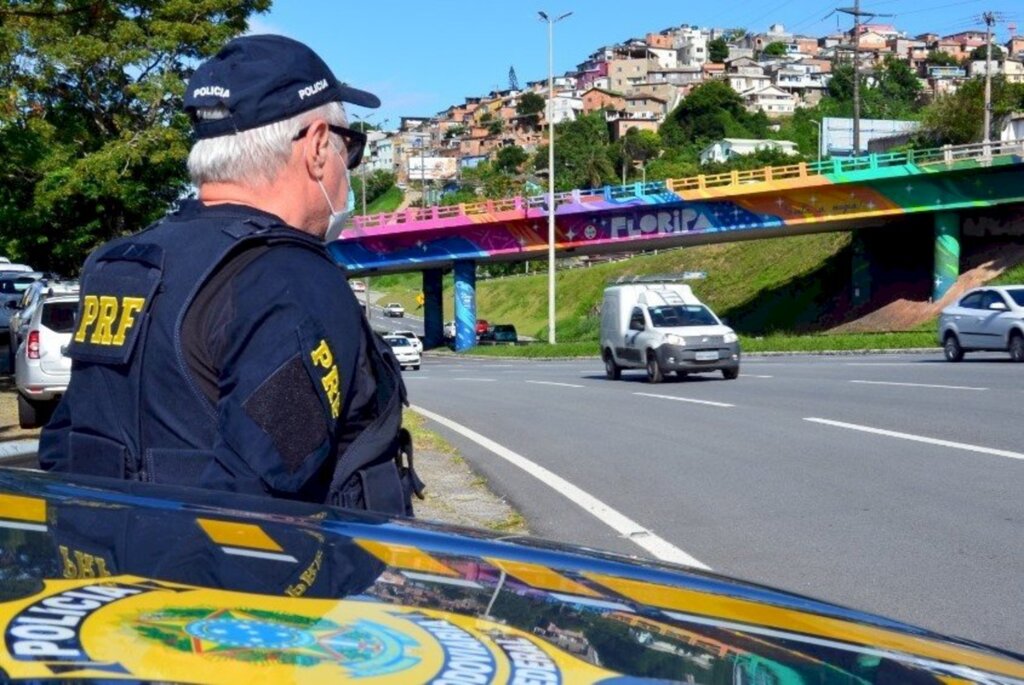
{"x":12,"y":287}
{"x":41,"y":367}
{"x":358,"y":286}
{"x":989,"y":318}
{"x":404,"y":351}
{"x":413,"y":338}
{"x":500,"y":334}
{"x":449,"y":330}
{"x":394,"y":309}
{"x":23,"y":310}
{"x":7,"y":266}
{"x":481,"y":327}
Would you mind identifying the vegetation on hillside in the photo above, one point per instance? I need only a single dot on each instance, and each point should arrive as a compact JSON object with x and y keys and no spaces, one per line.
{"x":91,"y":124}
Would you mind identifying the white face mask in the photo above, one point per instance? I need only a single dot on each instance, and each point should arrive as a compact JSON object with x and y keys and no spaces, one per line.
{"x":338,"y":219}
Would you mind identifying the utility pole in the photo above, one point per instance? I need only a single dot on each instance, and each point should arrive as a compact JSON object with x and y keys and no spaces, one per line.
{"x":857,"y":14}
{"x":990,"y":19}
{"x":551,"y":21}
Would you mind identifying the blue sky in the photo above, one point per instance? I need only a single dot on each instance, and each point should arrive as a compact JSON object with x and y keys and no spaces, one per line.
{"x":421,"y":57}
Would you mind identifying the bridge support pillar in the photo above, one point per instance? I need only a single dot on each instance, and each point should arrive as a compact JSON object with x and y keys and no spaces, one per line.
{"x":947,"y":253}
{"x":465,"y":305}
{"x":860,"y":271}
{"x":433,"y":309}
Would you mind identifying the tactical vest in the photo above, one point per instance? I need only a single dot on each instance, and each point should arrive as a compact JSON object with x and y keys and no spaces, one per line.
{"x":138,"y":413}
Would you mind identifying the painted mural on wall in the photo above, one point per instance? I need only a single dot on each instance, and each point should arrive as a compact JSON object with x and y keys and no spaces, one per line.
{"x":627,"y":221}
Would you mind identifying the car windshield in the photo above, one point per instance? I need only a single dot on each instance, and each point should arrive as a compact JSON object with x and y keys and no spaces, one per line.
{"x":671,"y":316}
{"x":59,"y":316}
{"x":398,"y":342}
{"x":15,"y":286}
{"x":1018,"y":296}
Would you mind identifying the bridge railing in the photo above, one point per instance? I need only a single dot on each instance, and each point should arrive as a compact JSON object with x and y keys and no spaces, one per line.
{"x":837,"y":165}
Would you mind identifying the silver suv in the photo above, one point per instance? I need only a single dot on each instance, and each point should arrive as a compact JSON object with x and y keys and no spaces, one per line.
{"x":25,"y":308}
{"x":41,"y":367}
{"x":989,"y":318}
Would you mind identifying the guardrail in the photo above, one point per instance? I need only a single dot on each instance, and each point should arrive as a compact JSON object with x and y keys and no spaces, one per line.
{"x":838,"y":165}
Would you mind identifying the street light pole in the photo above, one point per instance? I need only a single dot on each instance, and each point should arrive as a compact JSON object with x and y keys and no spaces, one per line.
{"x":551,"y":169}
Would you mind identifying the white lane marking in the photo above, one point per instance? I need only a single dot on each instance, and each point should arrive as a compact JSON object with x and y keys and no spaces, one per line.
{"x":919,"y":438}
{"x":238,"y":551}
{"x":754,"y":375}
{"x":562,"y":385}
{"x":919,"y":385}
{"x":684,"y":399}
{"x":882,"y":363}
{"x":481,"y":380}
{"x":626,"y":527}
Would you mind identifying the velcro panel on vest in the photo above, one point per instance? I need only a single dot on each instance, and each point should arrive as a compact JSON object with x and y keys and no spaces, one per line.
{"x":115,"y":302}
{"x":287,"y":407}
{"x":93,"y":455}
{"x":176,"y":466}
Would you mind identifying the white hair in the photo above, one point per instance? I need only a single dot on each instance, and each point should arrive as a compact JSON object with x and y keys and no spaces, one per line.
{"x":255,"y":156}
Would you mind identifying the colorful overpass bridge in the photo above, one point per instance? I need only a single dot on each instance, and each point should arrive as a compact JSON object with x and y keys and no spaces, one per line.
{"x":833,"y":195}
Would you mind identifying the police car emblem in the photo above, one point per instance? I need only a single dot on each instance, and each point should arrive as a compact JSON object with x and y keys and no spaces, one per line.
{"x":363,"y":648}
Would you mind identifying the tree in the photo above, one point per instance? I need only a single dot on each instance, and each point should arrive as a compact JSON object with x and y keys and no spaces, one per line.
{"x":978,"y":53}
{"x":638,"y":146}
{"x":713,"y":110}
{"x":495,"y":127}
{"x":957,"y":119}
{"x":718,"y":50}
{"x":91,"y":119}
{"x":509,"y":159}
{"x":530,"y":103}
{"x":776,"y":49}
{"x":940,"y":59}
{"x":581,"y":153}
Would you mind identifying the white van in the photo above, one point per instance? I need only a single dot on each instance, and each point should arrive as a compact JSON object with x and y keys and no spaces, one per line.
{"x":662,"y":327}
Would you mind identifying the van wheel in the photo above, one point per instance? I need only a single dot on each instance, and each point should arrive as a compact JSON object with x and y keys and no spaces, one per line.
{"x":951,"y":348}
{"x":611,"y":369}
{"x":654,"y":372}
{"x":1017,"y":347}
{"x":731,"y":374}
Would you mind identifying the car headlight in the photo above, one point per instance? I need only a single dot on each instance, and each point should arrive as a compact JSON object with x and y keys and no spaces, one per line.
{"x":730,"y":337}
{"x":675,"y":340}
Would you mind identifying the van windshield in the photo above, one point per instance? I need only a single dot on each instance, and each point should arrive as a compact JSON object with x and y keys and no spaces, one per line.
{"x":682,"y":315}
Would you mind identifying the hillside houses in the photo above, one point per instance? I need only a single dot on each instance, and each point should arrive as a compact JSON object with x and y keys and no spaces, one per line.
{"x":641,"y":80}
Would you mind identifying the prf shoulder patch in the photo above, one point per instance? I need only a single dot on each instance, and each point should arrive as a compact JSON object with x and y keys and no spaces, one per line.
{"x":114,"y":308}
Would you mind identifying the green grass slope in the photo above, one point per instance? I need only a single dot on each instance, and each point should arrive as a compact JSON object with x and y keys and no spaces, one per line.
{"x":781,"y":284}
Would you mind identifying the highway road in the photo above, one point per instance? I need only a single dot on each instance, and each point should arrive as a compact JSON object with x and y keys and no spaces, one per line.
{"x":890,"y":483}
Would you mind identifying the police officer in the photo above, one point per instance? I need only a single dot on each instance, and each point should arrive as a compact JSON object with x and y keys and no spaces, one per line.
{"x":221,"y":347}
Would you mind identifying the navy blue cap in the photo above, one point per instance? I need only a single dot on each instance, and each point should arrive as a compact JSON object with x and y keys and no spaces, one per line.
{"x":263,"y":79}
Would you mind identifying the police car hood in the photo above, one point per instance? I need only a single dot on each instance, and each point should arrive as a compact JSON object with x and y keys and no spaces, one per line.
{"x":116,"y":580}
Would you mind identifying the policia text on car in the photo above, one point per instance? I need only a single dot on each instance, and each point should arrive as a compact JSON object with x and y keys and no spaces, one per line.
{"x":222,"y":347}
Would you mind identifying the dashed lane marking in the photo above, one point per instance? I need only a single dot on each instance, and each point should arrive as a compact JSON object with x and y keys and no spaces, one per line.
{"x":562,"y":385}
{"x":919,"y":438}
{"x":919,"y":385}
{"x":684,"y":399}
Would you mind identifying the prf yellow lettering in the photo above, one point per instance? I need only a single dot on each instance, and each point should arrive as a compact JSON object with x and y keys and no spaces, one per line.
{"x":100,"y":313}
{"x":90,"y":309}
{"x":331,"y":381}
{"x":83,"y":565}
{"x":130,"y":306}
{"x":322,"y":356}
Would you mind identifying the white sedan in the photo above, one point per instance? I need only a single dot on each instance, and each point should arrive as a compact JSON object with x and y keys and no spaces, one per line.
{"x":413,"y":338}
{"x":404,"y":352}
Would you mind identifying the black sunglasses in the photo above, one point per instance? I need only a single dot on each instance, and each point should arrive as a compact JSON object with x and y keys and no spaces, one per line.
{"x":355,"y":142}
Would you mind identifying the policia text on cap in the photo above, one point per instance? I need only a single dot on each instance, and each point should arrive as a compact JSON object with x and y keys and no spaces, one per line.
{"x":221,"y":347}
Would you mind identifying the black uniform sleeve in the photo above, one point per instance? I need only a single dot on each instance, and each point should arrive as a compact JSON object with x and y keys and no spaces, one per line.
{"x":288,"y":360}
